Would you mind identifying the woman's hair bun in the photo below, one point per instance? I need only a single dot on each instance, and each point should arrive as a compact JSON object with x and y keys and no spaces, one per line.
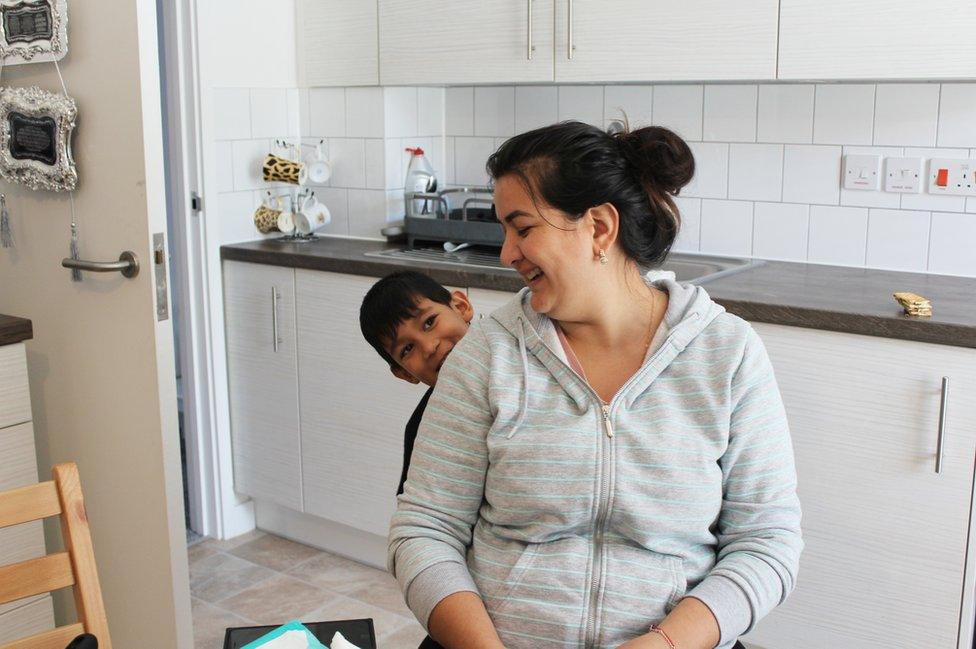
{"x":659,"y":157}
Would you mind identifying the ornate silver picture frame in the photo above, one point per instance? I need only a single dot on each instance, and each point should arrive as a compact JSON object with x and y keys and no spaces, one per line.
{"x":35,"y":138}
{"x":33,"y":30}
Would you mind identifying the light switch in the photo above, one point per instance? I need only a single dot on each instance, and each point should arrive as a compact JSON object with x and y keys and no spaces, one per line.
{"x":903,"y":175}
{"x":952,"y":177}
{"x":862,"y":172}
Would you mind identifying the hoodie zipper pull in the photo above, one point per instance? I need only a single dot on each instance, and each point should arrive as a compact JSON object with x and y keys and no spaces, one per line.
{"x":606,"y":420}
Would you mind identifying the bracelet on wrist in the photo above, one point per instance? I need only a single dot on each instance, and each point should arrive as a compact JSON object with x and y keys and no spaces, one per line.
{"x":661,"y":632}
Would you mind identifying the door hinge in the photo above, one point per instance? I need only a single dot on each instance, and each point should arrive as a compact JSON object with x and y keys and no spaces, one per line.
{"x":196,"y":203}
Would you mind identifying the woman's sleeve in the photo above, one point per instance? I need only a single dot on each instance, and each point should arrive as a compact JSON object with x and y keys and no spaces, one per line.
{"x":759,"y":539}
{"x":432,"y":526}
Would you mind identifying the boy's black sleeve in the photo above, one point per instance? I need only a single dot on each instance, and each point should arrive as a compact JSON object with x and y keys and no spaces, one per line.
{"x":410,"y":434}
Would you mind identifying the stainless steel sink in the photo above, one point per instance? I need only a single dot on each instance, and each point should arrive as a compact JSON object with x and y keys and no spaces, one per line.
{"x":696,"y":269}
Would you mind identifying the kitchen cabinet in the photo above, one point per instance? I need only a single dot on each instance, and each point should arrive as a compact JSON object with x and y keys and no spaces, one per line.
{"x":353,"y":410}
{"x":886,"y":536}
{"x":337,"y":43}
{"x":262,"y":369}
{"x":876,"y":39}
{"x":465,"y":41}
{"x":665,"y":40}
{"x":18,"y":468}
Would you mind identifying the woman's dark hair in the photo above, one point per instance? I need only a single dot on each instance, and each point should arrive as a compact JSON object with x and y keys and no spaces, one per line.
{"x":392,"y":301}
{"x":573,"y":166}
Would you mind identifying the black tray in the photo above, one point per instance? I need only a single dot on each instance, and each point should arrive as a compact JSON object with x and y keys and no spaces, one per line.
{"x":358,"y":632}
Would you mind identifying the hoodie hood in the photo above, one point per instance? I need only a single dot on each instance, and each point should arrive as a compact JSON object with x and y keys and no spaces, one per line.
{"x":690,"y":310}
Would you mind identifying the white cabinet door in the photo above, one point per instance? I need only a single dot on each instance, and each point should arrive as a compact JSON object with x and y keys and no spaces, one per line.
{"x":262,"y":374}
{"x":877,"y":39}
{"x":886,"y":536}
{"x":336,"y":43}
{"x":665,"y":40}
{"x":353,"y":409}
{"x":465,"y":41}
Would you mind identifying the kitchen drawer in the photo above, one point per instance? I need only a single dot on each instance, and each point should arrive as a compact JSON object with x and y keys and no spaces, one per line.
{"x":14,"y":391}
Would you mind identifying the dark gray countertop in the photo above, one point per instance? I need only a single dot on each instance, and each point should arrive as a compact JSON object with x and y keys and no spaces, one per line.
{"x":14,"y":330}
{"x":834,"y":298}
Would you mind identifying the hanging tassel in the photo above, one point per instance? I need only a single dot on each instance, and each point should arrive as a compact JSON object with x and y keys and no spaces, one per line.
{"x":6,"y":236}
{"x":75,"y":273}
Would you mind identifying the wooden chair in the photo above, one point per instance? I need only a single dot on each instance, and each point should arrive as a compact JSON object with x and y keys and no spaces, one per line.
{"x":74,"y":567}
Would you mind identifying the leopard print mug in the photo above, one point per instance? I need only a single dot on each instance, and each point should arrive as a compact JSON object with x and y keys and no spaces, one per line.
{"x":278,"y":169}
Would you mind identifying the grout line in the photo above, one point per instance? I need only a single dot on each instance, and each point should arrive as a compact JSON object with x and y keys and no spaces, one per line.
{"x":938,"y":115}
{"x":874,"y":117}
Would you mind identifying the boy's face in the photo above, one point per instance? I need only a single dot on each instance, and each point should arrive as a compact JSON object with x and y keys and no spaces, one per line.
{"x":424,"y":341}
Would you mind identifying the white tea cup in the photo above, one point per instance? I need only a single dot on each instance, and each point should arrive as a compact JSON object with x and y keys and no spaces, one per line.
{"x":316,"y":212}
{"x":318,"y":168}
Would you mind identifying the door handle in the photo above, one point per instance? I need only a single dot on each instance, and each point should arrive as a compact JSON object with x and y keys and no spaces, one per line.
{"x":570,"y":48}
{"x":943,"y":408}
{"x":529,"y":47}
{"x":128,"y":265}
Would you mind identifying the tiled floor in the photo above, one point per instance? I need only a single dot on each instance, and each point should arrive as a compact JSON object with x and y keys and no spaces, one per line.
{"x":259,"y":578}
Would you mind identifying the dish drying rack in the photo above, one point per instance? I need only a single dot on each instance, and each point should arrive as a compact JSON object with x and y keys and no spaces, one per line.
{"x":432,"y":216}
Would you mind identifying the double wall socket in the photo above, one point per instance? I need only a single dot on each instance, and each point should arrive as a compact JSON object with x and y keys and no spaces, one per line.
{"x":952,"y":177}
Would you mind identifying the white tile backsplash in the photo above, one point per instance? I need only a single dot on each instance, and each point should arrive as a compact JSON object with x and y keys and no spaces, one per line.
{"x":235,"y":217}
{"x":679,"y":108}
{"x":756,"y":172}
{"x":348,"y":158}
{"x":838,"y":235}
{"x":843,"y":114}
{"x":459,"y":111}
{"x":786,"y":113}
{"x":494,"y":111}
{"x":726,"y":227}
{"x":232,"y":109}
{"x":375,"y":163}
{"x":632,"y":102}
{"x":248,"y":160}
{"x":582,"y":103}
{"x":400,"y":112}
{"x":470,"y":156}
{"x":430,"y":111}
{"x":906,"y":114}
{"x":337,"y":200}
{"x":956,"y":124}
{"x":729,"y":113}
{"x":367,"y":212}
{"x":780,"y":231}
{"x":689,"y":233}
{"x":364,"y":112}
{"x":535,"y":106}
{"x":225,"y":166}
{"x":711,"y":178}
{"x":269,"y":112}
{"x":898,"y":240}
{"x":811,"y":174}
{"x":327,"y":112}
{"x":951,"y":244}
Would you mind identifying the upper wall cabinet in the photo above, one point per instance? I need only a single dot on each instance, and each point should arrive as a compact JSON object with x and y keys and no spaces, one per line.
{"x":877,"y":39}
{"x":465,"y":41}
{"x":337,"y":43}
{"x":665,"y":40}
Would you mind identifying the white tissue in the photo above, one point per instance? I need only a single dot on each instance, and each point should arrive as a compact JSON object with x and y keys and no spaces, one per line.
{"x":288,"y":640}
{"x":339,"y":642}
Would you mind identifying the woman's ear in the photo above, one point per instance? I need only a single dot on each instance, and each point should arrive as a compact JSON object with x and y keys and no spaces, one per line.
{"x":461,"y":304}
{"x":606,"y":226}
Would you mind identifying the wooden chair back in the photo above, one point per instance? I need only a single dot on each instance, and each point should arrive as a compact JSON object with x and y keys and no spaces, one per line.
{"x":74,"y":567}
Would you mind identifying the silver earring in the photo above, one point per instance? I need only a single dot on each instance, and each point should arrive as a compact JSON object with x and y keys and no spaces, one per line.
{"x":603,"y":258}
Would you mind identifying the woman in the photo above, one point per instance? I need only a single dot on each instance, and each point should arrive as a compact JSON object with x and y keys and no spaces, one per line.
{"x":605,"y":461}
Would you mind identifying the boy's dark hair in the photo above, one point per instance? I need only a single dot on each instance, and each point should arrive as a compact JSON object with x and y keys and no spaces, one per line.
{"x":393,"y":300}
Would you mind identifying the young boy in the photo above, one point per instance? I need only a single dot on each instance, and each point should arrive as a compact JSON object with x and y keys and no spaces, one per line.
{"x":413,"y":323}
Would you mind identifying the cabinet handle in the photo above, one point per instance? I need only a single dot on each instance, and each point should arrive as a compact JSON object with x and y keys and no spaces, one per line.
{"x":529,"y":47}
{"x":274,"y":317}
{"x":570,"y":48}
{"x":943,"y":408}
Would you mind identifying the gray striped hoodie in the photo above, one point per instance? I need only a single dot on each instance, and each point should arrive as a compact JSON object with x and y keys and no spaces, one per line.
{"x":581,"y":523}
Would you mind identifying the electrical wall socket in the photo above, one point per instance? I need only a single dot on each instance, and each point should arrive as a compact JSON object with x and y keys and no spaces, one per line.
{"x":862,"y":172}
{"x":952,"y":177}
{"x":903,"y":175}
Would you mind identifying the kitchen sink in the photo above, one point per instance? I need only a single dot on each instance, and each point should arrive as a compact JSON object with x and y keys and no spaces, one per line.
{"x":696,"y":269}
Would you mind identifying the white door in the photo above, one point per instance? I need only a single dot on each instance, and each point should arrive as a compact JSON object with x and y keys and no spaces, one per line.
{"x":100,"y":364}
{"x":665,"y":40}
{"x":465,"y":41}
{"x":876,"y":39}
{"x":353,"y":409}
{"x":886,"y":536}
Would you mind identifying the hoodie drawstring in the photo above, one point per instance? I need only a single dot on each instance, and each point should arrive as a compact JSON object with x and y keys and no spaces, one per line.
{"x":524,"y":398}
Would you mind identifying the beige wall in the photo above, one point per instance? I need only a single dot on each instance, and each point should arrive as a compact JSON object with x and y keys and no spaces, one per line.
{"x":101,"y":368}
